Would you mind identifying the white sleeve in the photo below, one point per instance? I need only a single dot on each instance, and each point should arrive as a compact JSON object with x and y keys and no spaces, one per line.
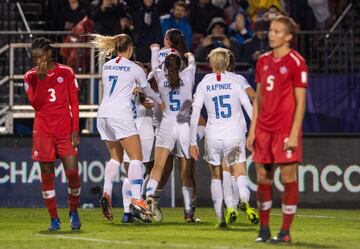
{"x":155,"y":57}
{"x":245,"y":83}
{"x":151,"y":94}
{"x":199,"y":97}
{"x":245,"y":102}
{"x":191,"y":62}
{"x":193,"y":124}
{"x":141,"y":78}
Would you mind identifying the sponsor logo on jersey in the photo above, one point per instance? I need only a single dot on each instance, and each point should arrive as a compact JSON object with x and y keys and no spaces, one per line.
{"x":60,"y":79}
{"x":303,"y":77}
{"x":283,"y":70}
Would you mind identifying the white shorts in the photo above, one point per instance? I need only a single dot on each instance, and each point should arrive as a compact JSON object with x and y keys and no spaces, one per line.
{"x":147,"y":151}
{"x":175,"y":137}
{"x":232,"y":151}
{"x":113,"y":129}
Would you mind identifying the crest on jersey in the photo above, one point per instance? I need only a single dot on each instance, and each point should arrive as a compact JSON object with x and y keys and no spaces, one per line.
{"x":283,"y":70}
{"x":60,"y":79}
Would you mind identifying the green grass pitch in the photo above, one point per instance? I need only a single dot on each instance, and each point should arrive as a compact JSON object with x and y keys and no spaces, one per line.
{"x":312,"y":228}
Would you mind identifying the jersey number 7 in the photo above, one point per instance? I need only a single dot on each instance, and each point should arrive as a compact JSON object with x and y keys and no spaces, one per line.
{"x":113,"y":80}
{"x":219,"y":103}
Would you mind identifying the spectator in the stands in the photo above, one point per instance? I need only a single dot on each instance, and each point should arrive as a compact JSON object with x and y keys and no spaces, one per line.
{"x":272,"y":12}
{"x":321,"y":12}
{"x":147,"y":29}
{"x":217,"y":38}
{"x":72,"y":13}
{"x":235,"y":6}
{"x":257,"y":9}
{"x":177,"y":19}
{"x":240,"y":29}
{"x":106,"y":16}
{"x":258,"y":44}
{"x":201,"y":15}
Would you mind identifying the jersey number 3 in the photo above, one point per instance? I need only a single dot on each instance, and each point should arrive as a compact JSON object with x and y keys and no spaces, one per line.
{"x":52,"y":94}
{"x":219,"y":103}
{"x":270,"y":82}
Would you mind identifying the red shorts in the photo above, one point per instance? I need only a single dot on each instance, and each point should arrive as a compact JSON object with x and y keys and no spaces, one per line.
{"x":269,"y":148}
{"x":48,"y":148}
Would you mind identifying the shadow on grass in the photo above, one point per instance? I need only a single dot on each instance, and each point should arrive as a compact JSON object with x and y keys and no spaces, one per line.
{"x":155,"y":224}
{"x":308,"y":245}
{"x":59,"y":232}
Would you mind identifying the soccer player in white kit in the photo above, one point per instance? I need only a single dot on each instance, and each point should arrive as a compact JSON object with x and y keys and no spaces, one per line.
{"x":115,"y":120}
{"x":175,"y":87}
{"x":223,"y":98}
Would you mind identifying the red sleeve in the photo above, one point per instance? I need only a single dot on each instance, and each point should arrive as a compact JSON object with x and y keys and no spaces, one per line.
{"x":35,"y":91}
{"x":258,"y":69}
{"x":300,"y":75}
{"x":73,"y":88}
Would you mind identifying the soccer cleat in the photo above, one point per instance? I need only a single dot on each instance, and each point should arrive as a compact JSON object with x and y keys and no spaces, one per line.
{"x":231,"y":215}
{"x":106,"y":206}
{"x":154,"y":207}
{"x":282,"y":237}
{"x":190,"y":217}
{"x":221,"y":225}
{"x":74,"y":220}
{"x":250,"y":213}
{"x":264,"y":235}
{"x":54,"y":224}
{"x":127,"y":218}
{"x":139,"y":216}
{"x":141,"y":206}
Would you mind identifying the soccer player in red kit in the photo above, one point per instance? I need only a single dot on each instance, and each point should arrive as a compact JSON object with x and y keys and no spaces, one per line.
{"x":275,"y":131}
{"x":52,"y":91}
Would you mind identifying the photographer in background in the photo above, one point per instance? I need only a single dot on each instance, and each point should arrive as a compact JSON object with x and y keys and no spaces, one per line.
{"x":217,"y":37}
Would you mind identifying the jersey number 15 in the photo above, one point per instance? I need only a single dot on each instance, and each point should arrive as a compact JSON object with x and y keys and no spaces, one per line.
{"x":225,"y":107}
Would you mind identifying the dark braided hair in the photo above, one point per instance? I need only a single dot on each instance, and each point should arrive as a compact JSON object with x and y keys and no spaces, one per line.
{"x":173,"y":65}
{"x":177,"y":41}
{"x":42,"y":43}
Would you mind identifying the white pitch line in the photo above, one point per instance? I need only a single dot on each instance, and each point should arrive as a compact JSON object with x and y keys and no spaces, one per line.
{"x":320,"y":216}
{"x":59,"y":236}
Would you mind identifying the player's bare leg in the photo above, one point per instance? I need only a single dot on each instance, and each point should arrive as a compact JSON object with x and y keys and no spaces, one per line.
{"x":187,"y":188}
{"x":48,"y":193}
{"x":116,"y":156}
{"x":239,"y":172}
{"x":265,"y":175}
{"x":288,"y":174}
{"x":217,"y":194}
{"x":74,"y":188}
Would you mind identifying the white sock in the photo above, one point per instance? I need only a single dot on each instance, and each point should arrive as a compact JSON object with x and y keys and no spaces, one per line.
{"x":242,"y":182}
{"x":126,"y":193}
{"x":227,"y":190}
{"x":111,"y":170}
{"x":188,"y":196}
{"x":235,"y":189}
{"x":217,"y":198}
{"x":151,"y":187}
{"x":135,"y":176}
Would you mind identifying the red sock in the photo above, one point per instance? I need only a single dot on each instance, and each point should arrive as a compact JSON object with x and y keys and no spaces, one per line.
{"x":289,"y":204}
{"x":48,"y":193}
{"x":264,"y":199}
{"x":74,"y":188}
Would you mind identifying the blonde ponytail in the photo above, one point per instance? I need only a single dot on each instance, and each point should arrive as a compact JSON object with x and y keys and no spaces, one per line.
{"x":107,"y":45}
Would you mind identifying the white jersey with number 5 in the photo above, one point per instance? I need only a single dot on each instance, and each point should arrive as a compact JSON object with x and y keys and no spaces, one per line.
{"x":119,"y":76}
{"x":223,"y":97}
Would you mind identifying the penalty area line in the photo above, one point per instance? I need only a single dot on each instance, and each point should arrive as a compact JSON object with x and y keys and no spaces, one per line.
{"x":60,"y":236}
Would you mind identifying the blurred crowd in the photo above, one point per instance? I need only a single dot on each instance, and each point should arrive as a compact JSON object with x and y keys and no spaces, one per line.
{"x":240,"y":25}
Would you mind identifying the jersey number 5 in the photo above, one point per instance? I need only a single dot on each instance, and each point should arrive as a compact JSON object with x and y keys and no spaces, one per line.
{"x":270,"y":82}
{"x":219,"y":102}
{"x":52,"y":94}
{"x":113,"y":80}
{"x":174,"y":103}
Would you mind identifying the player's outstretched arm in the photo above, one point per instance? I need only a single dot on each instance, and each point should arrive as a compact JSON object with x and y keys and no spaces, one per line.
{"x":155,"y":48}
{"x":300,"y":103}
{"x":73,"y":89}
{"x":194,"y":149}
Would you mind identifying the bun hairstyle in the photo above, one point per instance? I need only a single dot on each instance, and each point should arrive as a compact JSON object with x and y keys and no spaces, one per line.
{"x":42,"y":43}
{"x":177,"y":41}
{"x":110,"y":44}
{"x":173,"y":65}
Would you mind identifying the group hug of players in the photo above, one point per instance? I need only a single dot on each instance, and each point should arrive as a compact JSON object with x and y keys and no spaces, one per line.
{"x":148,"y":117}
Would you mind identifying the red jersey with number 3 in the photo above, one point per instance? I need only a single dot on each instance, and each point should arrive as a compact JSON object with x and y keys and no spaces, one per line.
{"x":55,"y":100}
{"x":278,"y":78}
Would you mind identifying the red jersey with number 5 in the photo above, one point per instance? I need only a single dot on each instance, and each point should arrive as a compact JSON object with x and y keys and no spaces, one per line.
{"x":55,"y":100}
{"x":278,"y":78}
